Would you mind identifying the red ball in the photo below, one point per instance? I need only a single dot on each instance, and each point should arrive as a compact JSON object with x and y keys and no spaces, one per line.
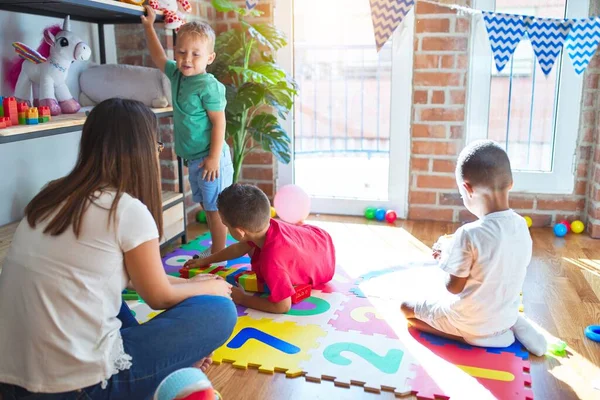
{"x":567,"y":224}
{"x":390,"y":216}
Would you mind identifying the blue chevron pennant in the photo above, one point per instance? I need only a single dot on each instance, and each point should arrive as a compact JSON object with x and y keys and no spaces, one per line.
{"x":505,"y":32}
{"x":386,"y":16}
{"x":582,"y":42}
{"x":547,"y":39}
{"x":250,"y":4}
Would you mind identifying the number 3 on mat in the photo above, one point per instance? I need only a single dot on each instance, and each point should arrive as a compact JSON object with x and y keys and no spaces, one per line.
{"x":387,"y":364}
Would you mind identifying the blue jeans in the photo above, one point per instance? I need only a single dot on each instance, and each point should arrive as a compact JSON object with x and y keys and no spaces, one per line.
{"x":206,"y":192}
{"x":174,"y":339}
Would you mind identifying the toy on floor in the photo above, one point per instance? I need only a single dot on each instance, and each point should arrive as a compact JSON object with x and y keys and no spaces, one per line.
{"x":186,"y":384}
{"x":564,"y":227}
{"x":46,"y":69}
{"x":560,"y":230}
{"x":592,"y":332}
{"x":577,"y":226}
{"x":245,"y":279}
{"x":201,"y":216}
{"x":273,"y":212}
{"x":130,"y":295}
{"x":380,"y":214}
{"x":558,"y":349}
{"x":292,"y":204}
{"x":528,"y":220}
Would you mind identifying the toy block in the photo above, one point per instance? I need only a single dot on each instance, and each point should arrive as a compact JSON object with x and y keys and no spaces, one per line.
{"x":31,"y":113}
{"x":22,"y":107}
{"x":1,"y":110}
{"x":302,"y":292}
{"x":32,"y":121}
{"x":10,"y":110}
{"x":6,"y":122}
{"x":44,"y":113}
{"x":130,"y":295}
{"x":3,"y":121}
{"x":22,"y":119}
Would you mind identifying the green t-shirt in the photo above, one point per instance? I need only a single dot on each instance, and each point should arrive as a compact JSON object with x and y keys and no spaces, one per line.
{"x":193,"y":96}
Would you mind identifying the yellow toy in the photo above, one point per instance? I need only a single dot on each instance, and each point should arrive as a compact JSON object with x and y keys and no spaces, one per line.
{"x":577,"y":226}
{"x":273,"y":212}
{"x":529,"y":221}
{"x":134,"y":2}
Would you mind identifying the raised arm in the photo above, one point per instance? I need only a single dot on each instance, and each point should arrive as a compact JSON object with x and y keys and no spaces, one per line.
{"x":157,"y":53}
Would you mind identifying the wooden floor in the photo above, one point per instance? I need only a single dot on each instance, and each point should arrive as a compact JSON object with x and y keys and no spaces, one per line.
{"x":561,"y":294}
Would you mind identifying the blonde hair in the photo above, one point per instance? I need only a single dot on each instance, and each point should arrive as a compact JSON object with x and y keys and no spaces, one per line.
{"x":203,"y":30}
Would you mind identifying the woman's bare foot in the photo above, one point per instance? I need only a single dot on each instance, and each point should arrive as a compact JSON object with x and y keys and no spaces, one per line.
{"x":204,"y":363}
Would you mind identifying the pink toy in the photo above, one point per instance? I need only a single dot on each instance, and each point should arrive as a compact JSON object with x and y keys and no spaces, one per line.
{"x":174,"y":18}
{"x":292,"y":204}
{"x":44,"y":71}
{"x":390,"y":216}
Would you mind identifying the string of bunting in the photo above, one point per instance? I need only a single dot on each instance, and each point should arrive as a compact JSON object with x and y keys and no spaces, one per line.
{"x":549,"y":36}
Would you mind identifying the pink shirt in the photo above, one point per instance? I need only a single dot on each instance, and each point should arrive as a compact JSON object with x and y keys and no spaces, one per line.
{"x":293,"y":255}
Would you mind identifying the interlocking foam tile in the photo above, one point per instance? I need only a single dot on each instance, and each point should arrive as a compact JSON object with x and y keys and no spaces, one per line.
{"x":359,"y":314}
{"x":374,"y":362}
{"x":174,"y":261}
{"x":357,"y":292}
{"x":142,"y":311}
{"x":516,"y":348}
{"x":271,"y":346}
{"x":505,"y":375}
{"x":203,"y":242}
{"x":318,"y":309}
{"x":340,"y":283}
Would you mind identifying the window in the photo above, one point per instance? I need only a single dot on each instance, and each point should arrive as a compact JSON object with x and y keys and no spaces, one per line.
{"x":534,"y":116}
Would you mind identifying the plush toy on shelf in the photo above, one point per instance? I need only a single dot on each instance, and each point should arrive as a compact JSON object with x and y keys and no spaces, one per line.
{"x":173,"y":11}
{"x":45,"y":70}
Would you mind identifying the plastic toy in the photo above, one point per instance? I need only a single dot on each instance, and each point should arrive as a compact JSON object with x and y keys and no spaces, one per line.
{"x":560,"y":230}
{"x":186,"y":383}
{"x":380,"y":214}
{"x":44,"y":114}
{"x":592,"y":332}
{"x":201,"y":216}
{"x":32,"y":116}
{"x":292,"y":204}
{"x":528,"y":220}
{"x":273,"y":212}
{"x":558,"y":349}
{"x":46,"y":69}
{"x":369,"y":213}
{"x":10,"y":110}
{"x":390,"y":216}
{"x":4,"y":122}
{"x":174,"y":18}
{"x":134,"y":2}
{"x":577,"y":226}
{"x":1,"y":106}
{"x":567,"y":224}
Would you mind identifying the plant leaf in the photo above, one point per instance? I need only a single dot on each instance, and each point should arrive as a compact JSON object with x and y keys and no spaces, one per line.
{"x":249,"y":95}
{"x":266,"y":131}
{"x":224,"y":5}
{"x":263,"y":72}
{"x":281,"y":96}
{"x":267,"y":35}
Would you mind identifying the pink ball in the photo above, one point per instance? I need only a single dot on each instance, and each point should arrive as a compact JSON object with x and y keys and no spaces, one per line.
{"x":292,"y":204}
{"x":390,"y":216}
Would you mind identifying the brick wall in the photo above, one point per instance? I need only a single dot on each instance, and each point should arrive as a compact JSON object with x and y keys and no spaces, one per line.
{"x":441,"y":61}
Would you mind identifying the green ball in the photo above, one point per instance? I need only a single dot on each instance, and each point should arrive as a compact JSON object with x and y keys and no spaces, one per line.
{"x":201,"y":217}
{"x":370,"y":213}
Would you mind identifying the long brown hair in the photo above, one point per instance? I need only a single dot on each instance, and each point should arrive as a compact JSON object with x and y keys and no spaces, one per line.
{"x":118,"y":151}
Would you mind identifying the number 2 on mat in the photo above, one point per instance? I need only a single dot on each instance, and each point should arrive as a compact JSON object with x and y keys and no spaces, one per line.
{"x":387,"y":364}
{"x":252,"y":333}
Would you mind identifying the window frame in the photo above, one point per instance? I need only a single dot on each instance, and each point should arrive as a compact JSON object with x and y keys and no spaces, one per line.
{"x":561,"y":180}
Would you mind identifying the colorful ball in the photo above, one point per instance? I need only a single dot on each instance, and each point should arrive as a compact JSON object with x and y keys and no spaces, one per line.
{"x":201,"y":217}
{"x":183,"y":383}
{"x":292,"y":204}
{"x":380,"y":214}
{"x":370,"y":213}
{"x":390,"y":216}
{"x":273,"y":212}
{"x":567,"y":224}
{"x":560,"y":230}
{"x":577,"y":226}
{"x":528,"y":220}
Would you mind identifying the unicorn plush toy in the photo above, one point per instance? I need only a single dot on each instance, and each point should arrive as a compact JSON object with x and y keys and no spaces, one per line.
{"x":44,"y":71}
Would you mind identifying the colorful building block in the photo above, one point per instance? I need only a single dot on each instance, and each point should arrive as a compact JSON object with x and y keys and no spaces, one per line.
{"x":31,"y":113}
{"x":10,"y":110}
{"x":3,"y":122}
{"x":44,"y":114}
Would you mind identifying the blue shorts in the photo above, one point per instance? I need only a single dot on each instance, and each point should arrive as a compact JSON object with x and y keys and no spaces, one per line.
{"x":206,"y":192}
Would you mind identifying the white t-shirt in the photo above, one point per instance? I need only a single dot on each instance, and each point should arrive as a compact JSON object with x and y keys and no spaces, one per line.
{"x":60,"y":297}
{"x":493,"y":253}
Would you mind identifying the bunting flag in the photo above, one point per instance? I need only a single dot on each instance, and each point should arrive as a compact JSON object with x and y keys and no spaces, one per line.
{"x":582,"y":42}
{"x":386,"y":16}
{"x":250,"y":4}
{"x":547,"y":39}
{"x":505,"y":32}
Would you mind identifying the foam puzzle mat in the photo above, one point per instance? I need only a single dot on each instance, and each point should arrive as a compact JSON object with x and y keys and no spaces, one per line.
{"x":341,"y":335}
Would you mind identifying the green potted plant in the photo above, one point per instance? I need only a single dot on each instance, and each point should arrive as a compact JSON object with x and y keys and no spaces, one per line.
{"x":258,"y":90}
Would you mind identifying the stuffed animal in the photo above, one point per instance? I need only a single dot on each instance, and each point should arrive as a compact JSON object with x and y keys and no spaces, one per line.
{"x":44,"y":70}
{"x":104,"y":81}
{"x":174,"y":18}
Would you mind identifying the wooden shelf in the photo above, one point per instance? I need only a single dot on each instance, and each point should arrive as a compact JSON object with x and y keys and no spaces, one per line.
{"x":95,"y":11}
{"x":60,"y":124}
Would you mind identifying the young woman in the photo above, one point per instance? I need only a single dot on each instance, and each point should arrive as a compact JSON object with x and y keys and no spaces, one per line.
{"x":64,"y":331}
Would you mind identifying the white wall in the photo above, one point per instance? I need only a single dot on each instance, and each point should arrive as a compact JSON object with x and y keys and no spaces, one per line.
{"x":28,"y":165}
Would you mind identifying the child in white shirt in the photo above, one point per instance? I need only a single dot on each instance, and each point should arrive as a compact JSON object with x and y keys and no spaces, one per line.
{"x":486,"y":261}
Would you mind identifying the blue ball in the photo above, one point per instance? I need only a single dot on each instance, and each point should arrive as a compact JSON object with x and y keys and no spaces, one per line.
{"x":380,"y":214}
{"x":560,"y":230}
